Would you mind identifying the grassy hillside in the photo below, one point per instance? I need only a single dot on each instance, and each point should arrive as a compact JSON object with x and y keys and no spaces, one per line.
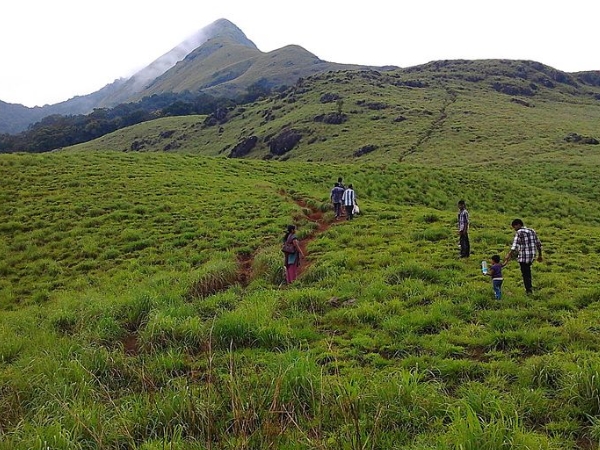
{"x":446,"y":113}
{"x":142,"y":306}
{"x":224,"y":66}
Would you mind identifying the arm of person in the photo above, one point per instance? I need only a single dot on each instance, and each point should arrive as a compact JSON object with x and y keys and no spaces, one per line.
{"x":513,"y":250}
{"x":462,"y":225}
{"x":510,"y":255}
{"x":297,"y":245}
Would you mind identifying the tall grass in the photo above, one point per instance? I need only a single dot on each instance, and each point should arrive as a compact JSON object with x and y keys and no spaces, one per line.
{"x":125,"y":321}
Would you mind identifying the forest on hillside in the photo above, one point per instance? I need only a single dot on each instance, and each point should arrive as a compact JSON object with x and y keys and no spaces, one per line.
{"x":57,"y":131}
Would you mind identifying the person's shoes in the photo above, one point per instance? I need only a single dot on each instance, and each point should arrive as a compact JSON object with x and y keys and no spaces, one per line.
{"x":528,"y":292}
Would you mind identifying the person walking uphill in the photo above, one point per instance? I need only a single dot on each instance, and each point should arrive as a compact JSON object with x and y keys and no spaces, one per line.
{"x":292,"y":251}
{"x":526,"y":245}
{"x":336,"y":199}
{"x":349,"y":200}
{"x":463,"y":229}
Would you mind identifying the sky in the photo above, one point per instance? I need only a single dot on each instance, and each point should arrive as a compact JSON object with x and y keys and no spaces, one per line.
{"x":53,"y":50}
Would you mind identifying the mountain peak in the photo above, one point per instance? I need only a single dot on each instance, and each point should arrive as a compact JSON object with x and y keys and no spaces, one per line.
{"x":219,"y":28}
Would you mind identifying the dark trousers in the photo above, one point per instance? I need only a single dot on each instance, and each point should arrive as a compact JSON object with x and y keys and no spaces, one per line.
{"x":526,"y":272}
{"x":337,"y":207}
{"x":465,"y":246}
{"x":349,"y":209}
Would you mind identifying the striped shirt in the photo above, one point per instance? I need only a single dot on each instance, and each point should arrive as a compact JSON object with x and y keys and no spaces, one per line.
{"x":463,"y":220}
{"x":348,"y":197}
{"x":526,"y":242}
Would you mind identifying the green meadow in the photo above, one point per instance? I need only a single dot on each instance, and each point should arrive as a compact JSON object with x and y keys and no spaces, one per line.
{"x":142,"y":305}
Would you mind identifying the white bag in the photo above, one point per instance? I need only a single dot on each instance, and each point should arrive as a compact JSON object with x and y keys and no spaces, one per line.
{"x":355,"y":210}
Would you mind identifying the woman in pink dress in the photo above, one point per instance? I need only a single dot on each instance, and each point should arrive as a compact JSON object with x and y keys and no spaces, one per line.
{"x":292,"y":257}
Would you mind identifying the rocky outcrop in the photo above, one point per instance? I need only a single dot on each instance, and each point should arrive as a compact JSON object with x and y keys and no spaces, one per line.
{"x":244,"y":147}
{"x":284,"y":141}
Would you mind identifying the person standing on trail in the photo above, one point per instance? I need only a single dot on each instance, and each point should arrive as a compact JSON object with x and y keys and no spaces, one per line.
{"x":292,"y":251}
{"x":336,"y":199}
{"x":526,"y":245}
{"x":349,"y":200}
{"x":341,"y":183}
{"x":463,"y":229}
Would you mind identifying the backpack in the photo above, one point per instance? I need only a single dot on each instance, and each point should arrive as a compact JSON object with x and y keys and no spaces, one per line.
{"x":288,"y":246}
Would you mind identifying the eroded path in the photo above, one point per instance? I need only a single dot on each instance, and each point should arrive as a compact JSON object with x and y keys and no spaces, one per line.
{"x":316,"y":216}
{"x":244,"y":276}
{"x":312,"y":214}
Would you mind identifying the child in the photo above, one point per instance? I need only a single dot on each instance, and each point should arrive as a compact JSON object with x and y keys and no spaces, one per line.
{"x":496,"y":273}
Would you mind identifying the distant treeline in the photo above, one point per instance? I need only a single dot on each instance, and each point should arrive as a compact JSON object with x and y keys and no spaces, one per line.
{"x":57,"y":131}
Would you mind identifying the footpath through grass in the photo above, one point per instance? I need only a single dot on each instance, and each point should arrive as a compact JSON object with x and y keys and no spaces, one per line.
{"x":124,"y":322}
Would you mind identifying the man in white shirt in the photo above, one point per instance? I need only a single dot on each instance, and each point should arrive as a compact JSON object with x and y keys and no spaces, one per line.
{"x":349,"y":200}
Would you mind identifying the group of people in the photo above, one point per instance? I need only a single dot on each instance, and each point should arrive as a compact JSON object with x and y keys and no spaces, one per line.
{"x":526,"y":248}
{"x":343,"y":196}
{"x":340,"y":196}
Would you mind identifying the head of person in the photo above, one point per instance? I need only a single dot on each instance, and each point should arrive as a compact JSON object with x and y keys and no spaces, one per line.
{"x":290,"y":229}
{"x":339,"y":179}
{"x":350,"y":186}
{"x":517,"y":224}
{"x":496,"y":259}
{"x":461,"y":204}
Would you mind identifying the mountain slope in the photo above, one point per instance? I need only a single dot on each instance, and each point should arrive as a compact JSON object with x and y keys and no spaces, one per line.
{"x":224,"y":67}
{"x":136,"y":86}
{"x":141,"y":306}
{"x":448,"y":112}
{"x":213,"y":60}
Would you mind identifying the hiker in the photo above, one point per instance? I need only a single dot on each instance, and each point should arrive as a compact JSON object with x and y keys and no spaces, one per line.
{"x":336,"y":199}
{"x":292,"y":252}
{"x":463,"y":229}
{"x":526,"y":245}
{"x":341,"y":183}
{"x":349,"y":200}
{"x":496,"y":273}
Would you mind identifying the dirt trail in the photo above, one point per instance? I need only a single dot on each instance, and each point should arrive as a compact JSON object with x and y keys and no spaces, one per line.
{"x":314,"y":215}
{"x":131,"y":346}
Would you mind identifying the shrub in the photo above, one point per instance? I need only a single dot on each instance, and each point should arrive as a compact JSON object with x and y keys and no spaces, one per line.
{"x":216,"y":275}
{"x":308,"y":299}
{"x":300,"y":382}
{"x":586,"y":389}
{"x":252,"y":324}
{"x":134,"y":311}
{"x":268,"y":264}
{"x":395,"y":275}
{"x":468,"y":431}
{"x":166,"y":331}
